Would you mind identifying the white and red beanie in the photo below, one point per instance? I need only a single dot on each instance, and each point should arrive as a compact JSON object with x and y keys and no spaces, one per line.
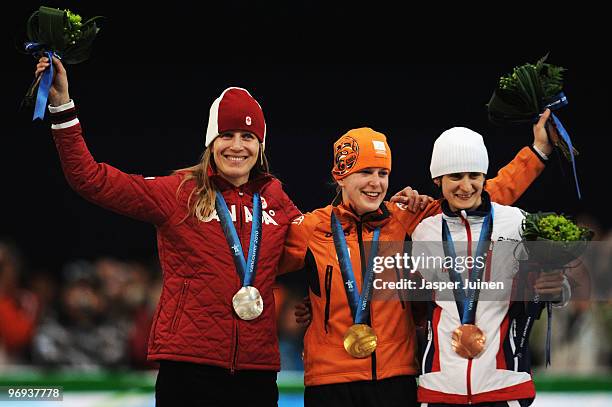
{"x":458,"y":149}
{"x":236,"y":109}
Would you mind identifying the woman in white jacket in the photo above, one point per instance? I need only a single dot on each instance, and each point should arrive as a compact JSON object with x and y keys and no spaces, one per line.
{"x":473,"y":354}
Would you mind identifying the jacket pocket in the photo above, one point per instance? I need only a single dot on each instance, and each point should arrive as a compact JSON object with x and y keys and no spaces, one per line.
{"x":328,"y":281}
{"x":179,"y":306}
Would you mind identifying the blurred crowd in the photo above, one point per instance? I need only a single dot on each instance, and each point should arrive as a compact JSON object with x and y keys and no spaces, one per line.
{"x":91,"y":315}
{"x":95,"y":315}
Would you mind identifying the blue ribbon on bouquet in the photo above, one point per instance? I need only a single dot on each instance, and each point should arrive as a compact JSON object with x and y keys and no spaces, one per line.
{"x":37,"y":50}
{"x":548,"y":331}
{"x":558,"y":102}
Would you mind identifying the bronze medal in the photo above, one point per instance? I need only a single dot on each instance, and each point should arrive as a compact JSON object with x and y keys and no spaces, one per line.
{"x":468,"y":341}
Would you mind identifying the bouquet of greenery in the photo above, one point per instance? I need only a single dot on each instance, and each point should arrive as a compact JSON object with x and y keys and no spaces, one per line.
{"x":60,"y":33}
{"x":552,"y":240}
{"x":525,"y":93}
{"x":521,"y":96}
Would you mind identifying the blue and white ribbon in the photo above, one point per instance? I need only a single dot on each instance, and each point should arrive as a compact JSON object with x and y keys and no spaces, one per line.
{"x":467,"y":303}
{"x":358,"y":303}
{"x":246,"y":269}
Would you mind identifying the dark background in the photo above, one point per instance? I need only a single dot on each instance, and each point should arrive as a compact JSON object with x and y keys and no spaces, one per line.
{"x":317,"y":71}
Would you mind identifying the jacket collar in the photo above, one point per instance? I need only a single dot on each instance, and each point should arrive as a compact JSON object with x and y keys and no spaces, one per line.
{"x":255,"y":183}
{"x":482,"y":211}
{"x":371,"y":220}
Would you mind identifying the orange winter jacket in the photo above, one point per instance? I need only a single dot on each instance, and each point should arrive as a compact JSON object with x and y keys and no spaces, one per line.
{"x":310,"y":246}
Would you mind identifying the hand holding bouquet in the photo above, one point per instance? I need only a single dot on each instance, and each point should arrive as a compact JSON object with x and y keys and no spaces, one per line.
{"x":552,"y":242}
{"x":60,"y":33}
{"x":524,"y":94}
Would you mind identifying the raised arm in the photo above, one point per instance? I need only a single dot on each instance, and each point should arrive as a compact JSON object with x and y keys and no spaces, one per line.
{"x":148,"y":199}
{"x":514,"y":179}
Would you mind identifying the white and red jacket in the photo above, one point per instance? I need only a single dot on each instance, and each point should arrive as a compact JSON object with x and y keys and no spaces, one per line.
{"x":496,"y":374}
{"x":194,"y":320}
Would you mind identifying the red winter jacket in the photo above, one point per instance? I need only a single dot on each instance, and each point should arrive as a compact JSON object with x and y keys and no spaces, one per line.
{"x":194,"y":320}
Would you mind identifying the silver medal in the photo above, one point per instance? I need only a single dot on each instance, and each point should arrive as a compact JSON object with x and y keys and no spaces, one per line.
{"x":248,"y":303}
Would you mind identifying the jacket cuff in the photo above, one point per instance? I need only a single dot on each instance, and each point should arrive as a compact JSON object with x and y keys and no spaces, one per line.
{"x":538,"y":154}
{"x":565,"y":295}
{"x":63,"y":116}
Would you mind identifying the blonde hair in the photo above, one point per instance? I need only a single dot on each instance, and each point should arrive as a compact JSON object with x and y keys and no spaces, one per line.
{"x":202,"y":198}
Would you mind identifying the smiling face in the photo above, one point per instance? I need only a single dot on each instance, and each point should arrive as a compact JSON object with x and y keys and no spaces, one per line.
{"x":462,"y":190}
{"x":235,"y":154}
{"x":365,"y":189}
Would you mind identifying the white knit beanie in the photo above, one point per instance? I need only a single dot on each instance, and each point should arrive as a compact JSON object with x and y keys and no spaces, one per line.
{"x":458,"y":149}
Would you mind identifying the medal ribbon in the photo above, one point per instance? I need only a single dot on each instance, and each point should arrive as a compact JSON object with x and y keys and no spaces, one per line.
{"x":359,"y":303}
{"x":246,"y":270}
{"x":466,"y":304}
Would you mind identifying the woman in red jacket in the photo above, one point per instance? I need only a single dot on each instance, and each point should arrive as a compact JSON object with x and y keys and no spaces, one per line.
{"x":214,"y":327}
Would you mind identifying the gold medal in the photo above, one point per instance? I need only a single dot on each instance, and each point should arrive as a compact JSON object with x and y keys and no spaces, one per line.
{"x":468,"y":341}
{"x":248,"y":303}
{"x":360,"y":341}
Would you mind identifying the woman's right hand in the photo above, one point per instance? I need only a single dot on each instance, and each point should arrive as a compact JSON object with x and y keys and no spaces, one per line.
{"x":303,"y":312}
{"x":58,"y":93}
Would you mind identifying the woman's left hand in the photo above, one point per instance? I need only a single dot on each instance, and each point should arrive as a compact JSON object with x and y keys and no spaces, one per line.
{"x":550,"y":283}
{"x":541,"y":137}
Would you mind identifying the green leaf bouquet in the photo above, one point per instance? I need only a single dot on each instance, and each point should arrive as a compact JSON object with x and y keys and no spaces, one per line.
{"x":63,"y":32}
{"x":522,"y":95}
{"x":553,"y":240}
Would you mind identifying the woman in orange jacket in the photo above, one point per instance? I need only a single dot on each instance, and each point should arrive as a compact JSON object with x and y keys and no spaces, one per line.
{"x":358,"y":352}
